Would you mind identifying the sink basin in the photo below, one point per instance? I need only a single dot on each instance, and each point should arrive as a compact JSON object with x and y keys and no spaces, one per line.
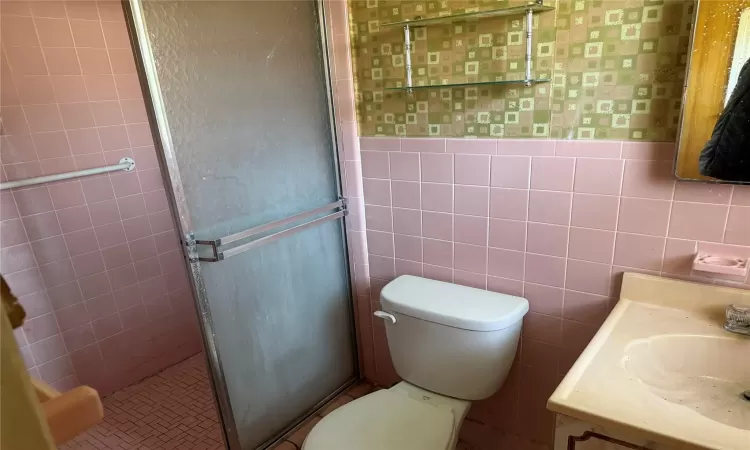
{"x":707,"y":374}
{"x":662,"y":372}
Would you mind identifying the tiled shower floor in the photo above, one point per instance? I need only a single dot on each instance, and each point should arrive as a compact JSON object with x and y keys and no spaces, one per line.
{"x":174,"y":409}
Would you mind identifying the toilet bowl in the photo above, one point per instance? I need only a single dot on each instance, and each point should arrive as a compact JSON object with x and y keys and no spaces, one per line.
{"x":402,"y":417}
{"x":451,"y":344}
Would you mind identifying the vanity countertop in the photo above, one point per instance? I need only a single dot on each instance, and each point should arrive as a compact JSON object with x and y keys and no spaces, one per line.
{"x":662,"y":367}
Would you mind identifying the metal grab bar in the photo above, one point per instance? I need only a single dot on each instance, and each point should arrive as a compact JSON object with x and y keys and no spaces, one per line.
{"x":271,"y":225}
{"x":126,"y":164}
{"x":273,"y":237}
{"x":220,"y":255}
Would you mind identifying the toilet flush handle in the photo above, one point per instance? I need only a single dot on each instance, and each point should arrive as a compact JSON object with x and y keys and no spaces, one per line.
{"x":385,"y":316}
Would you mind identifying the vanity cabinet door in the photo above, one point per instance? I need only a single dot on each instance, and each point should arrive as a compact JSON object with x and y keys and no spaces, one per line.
{"x":590,"y":440}
{"x":575,"y":434}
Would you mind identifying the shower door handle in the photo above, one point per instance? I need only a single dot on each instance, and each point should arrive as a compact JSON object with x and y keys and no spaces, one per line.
{"x":219,"y":254}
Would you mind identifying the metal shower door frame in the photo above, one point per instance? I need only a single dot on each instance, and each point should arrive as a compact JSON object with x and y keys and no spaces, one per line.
{"x":171,"y":174}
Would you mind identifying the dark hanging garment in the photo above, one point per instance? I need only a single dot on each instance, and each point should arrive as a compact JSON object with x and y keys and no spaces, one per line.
{"x":727,"y":154}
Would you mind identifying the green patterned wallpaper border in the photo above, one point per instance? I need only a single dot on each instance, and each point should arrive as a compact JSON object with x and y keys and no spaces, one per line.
{"x":617,"y":70}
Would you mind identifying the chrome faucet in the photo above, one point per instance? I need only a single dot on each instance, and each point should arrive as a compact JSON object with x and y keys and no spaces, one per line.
{"x":738,"y":319}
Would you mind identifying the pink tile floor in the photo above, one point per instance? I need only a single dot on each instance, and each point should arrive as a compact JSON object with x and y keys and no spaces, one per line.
{"x":174,"y":409}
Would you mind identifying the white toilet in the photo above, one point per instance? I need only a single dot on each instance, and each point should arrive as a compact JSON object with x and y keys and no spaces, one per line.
{"x":451,"y":344}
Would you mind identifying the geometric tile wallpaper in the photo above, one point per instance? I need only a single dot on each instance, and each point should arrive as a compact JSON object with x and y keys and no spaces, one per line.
{"x":616,"y":70}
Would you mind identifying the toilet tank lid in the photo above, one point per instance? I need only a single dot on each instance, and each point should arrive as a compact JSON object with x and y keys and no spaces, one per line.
{"x":452,"y":305}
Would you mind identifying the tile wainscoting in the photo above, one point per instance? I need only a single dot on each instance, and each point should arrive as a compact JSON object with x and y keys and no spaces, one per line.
{"x":555,"y":221}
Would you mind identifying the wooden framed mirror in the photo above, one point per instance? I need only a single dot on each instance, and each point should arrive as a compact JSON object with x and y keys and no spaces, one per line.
{"x":720,"y":47}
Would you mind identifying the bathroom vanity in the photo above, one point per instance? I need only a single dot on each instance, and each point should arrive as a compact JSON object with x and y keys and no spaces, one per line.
{"x":660,"y":374}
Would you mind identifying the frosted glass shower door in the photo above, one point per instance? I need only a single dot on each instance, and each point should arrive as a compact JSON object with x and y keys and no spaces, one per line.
{"x":241,"y":100}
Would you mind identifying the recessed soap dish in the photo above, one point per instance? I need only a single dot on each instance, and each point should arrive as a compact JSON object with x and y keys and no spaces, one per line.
{"x":727,"y":265}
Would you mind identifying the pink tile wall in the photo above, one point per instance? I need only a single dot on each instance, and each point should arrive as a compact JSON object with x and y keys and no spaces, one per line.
{"x":555,"y":222}
{"x":96,"y":261}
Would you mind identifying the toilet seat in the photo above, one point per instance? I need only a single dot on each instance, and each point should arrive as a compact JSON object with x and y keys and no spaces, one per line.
{"x":383,"y":420}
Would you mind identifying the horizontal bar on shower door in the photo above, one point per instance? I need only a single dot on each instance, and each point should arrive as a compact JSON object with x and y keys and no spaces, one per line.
{"x":271,"y":225}
{"x":222,"y":255}
{"x":126,"y":164}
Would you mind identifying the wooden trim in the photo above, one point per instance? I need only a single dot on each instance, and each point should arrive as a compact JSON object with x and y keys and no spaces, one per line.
{"x":22,"y":419}
{"x":716,"y":24}
{"x":72,"y":413}
{"x":572,"y":440}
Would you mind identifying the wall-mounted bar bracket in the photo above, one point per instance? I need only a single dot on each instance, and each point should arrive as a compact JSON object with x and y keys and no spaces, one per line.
{"x":529,"y":51}
{"x":407,"y":57}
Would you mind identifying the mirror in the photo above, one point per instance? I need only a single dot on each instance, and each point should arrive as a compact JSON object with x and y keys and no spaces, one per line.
{"x":720,"y":49}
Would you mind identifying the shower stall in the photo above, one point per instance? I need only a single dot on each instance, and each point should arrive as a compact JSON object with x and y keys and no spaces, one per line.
{"x":239,"y":94}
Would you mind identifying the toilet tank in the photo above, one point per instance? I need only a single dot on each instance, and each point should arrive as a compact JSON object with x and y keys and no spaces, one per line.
{"x":453,"y":340}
